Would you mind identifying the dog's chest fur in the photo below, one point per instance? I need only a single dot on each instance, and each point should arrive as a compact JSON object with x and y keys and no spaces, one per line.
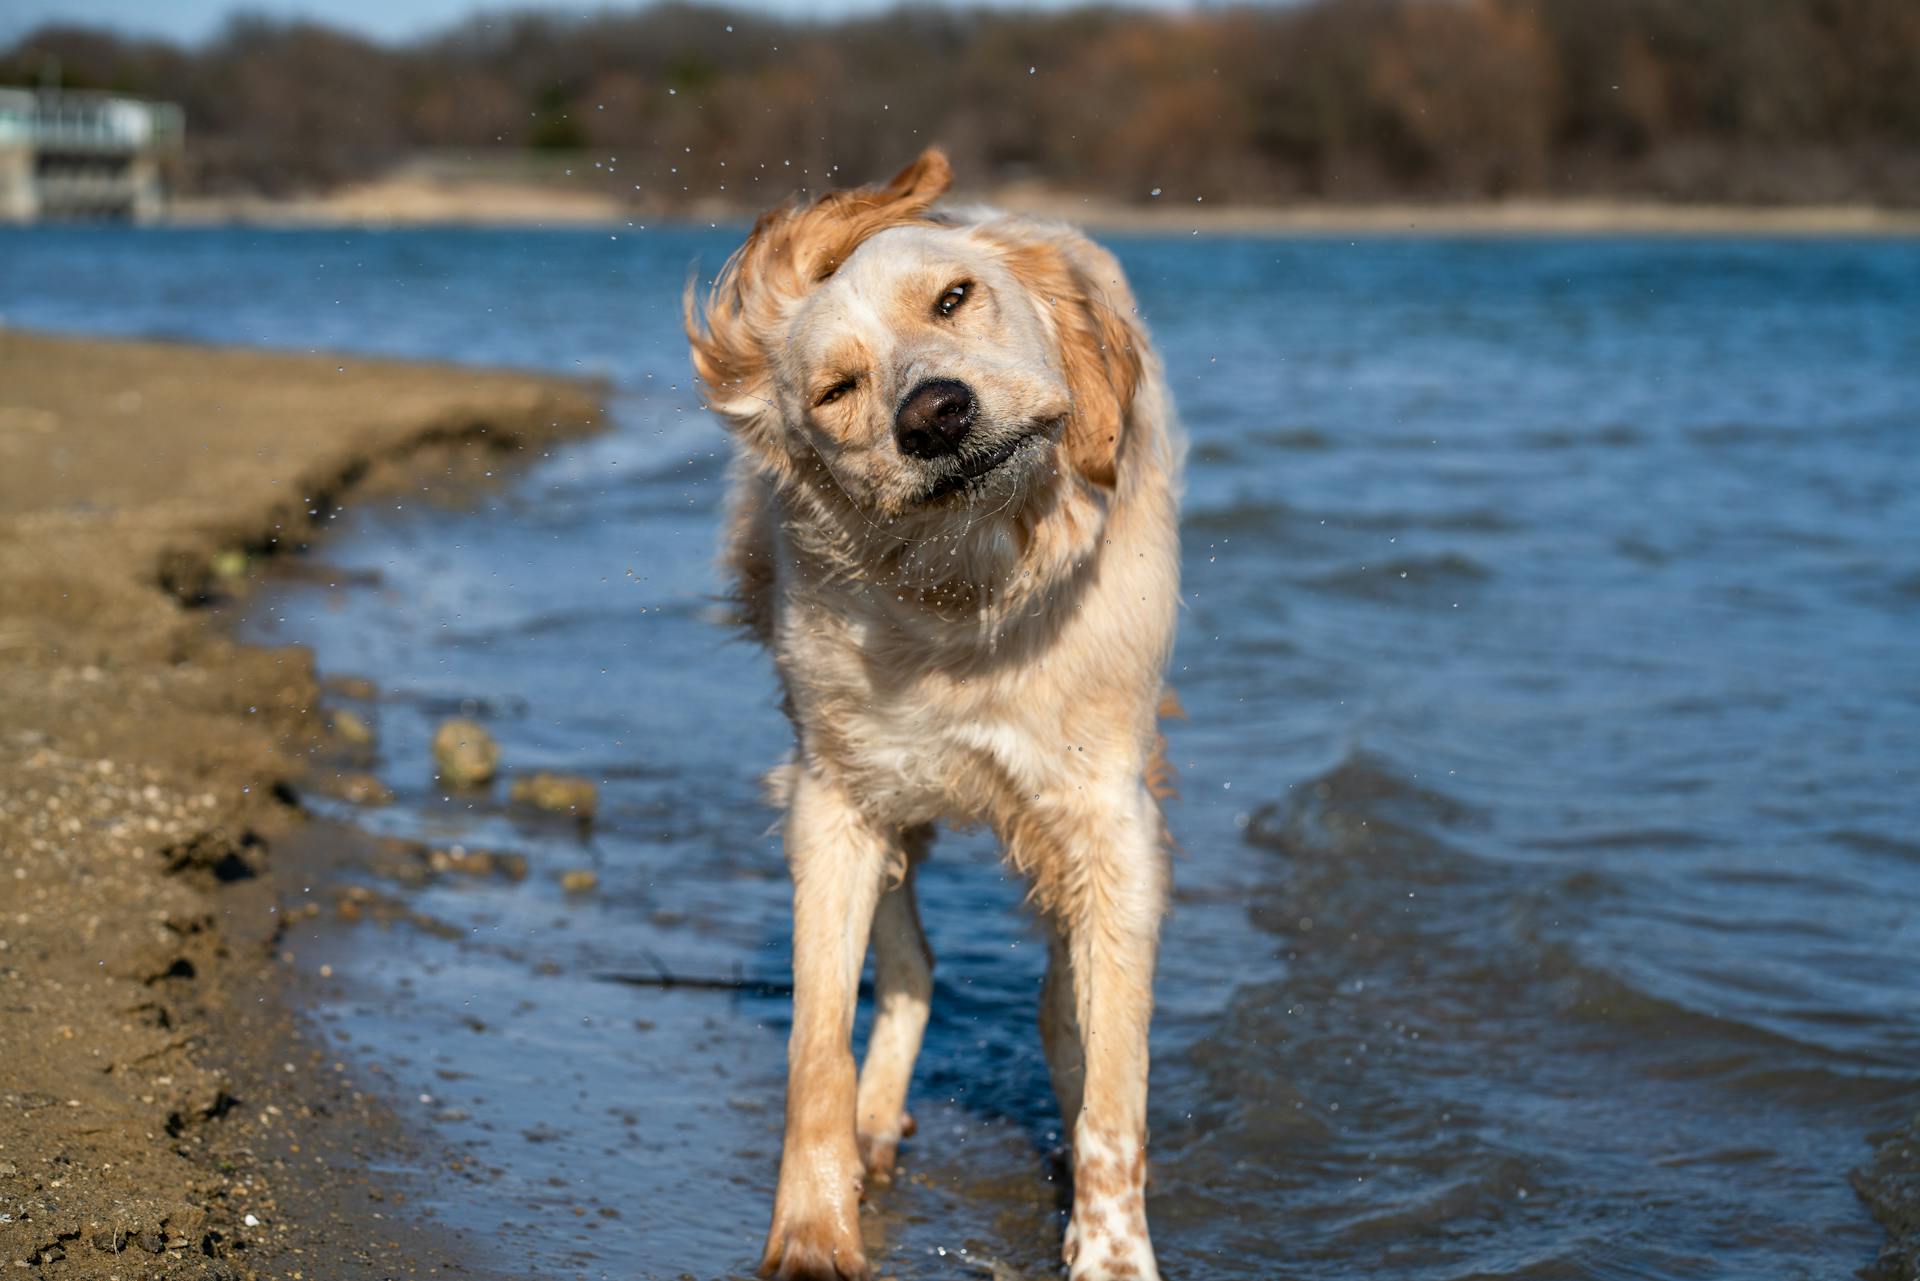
{"x":954,"y":741}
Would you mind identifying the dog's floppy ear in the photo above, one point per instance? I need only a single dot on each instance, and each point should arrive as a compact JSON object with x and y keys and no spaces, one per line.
{"x":791,"y":250}
{"x":1079,"y":286}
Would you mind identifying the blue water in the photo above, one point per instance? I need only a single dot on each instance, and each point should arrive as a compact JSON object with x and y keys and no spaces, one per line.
{"x":1551,"y":845}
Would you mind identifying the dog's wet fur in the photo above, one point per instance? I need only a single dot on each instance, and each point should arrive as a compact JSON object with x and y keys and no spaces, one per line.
{"x":953,"y":525}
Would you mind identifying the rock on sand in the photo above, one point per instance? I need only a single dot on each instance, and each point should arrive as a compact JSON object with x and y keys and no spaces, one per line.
{"x":350,"y":729}
{"x":557,"y":794}
{"x":465,"y":754}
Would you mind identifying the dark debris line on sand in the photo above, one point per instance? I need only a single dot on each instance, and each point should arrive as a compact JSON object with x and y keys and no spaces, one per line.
{"x":160,"y":1114}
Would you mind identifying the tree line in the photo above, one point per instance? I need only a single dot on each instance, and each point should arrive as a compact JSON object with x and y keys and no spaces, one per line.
{"x":1751,"y":101}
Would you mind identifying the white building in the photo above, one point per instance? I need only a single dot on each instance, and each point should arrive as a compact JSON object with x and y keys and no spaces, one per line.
{"x":85,"y":155}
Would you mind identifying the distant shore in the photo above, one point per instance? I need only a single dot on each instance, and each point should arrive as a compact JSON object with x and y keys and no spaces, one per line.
{"x":408,"y":199}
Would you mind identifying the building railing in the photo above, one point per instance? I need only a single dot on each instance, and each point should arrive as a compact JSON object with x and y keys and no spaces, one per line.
{"x":84,"y":154}
{"x":86,"y":121}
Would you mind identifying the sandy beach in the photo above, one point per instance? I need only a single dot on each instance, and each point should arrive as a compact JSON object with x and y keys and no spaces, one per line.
{"x":162,"y":1114}
{"x":423,"y":196}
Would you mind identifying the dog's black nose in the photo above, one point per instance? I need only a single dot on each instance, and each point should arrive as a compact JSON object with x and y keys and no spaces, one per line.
{"x":934,"y":418}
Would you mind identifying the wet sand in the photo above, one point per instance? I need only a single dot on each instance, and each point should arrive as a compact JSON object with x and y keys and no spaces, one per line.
{"x":1890,"y":1185}
{"x":160,"y":1113}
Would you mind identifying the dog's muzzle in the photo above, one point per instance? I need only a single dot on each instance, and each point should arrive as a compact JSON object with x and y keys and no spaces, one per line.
{"x":960,"y":470}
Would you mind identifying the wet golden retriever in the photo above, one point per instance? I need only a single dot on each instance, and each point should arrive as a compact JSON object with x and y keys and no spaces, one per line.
{"x":953,"y":524}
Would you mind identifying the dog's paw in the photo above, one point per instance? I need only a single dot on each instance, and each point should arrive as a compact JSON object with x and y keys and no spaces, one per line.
{"x":880,"y":1149}
{"x":1115,"y":1268}
{"x":816,"y":1239}
{"x":818,"y":1250}
{"x":1103,"y":1254}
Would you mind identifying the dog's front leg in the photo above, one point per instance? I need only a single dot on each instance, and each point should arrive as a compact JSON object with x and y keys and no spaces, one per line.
{"x":1112,"y":927}
{"x":1060,"y":1030}
{"x":838,"y":860}
{"x":902,"y":991}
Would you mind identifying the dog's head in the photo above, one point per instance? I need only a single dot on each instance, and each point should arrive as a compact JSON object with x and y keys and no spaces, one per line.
{"x":915,"y":366}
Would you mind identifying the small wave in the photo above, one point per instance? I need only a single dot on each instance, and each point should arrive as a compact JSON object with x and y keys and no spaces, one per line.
{"x":1720,"y":704}
{"x":1735,"y":435}
{"x":1294,"y":438}
{"x":1906,"y":589}
{"x":1730,"y":1157}
{"x":1362,"y":790}
{"x":561,"y":622}
{"x":1874,"y":843}
{"x":1466,"y":520}
{"x":1241,"y":517}
{"x":1639,"y":549}
{"x":1230,"y":446}
{"x":1647,"y":838}
{"x":1688,"y":1042}
{"x":1484,"y":1186}
{"x":1277,"y":519}
{"x":1611,"y":436}
{"x":1396,"y":577}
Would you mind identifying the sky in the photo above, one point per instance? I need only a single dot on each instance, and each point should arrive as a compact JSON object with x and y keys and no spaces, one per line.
{"x":190,"y":21}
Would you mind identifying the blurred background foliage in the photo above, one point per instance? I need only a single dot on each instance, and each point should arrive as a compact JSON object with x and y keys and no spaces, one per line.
{"x":1748,"y":101}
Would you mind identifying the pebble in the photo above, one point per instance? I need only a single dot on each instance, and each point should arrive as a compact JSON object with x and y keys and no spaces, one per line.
{"x":363,"y":789}
{"x":465,"y":753}
{"x":464,"y":861}
{"x":557,"y":794}
{"x":352,"y":687}
{"x":482,"y":863}
{"x":350,"y":728}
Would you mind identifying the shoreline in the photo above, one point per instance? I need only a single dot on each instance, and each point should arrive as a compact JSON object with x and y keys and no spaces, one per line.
{"x":409,"y":200}
{"x":163,"y":1112}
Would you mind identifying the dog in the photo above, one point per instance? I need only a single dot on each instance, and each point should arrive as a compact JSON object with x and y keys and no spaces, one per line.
{"x":953,"y":523}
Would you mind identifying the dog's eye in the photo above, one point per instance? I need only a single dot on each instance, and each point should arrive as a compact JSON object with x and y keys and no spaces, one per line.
{"x":835,"y":392}
{"x":950,"y":301}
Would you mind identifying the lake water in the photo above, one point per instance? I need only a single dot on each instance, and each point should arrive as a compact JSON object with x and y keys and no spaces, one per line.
{"x":1550,"y":878}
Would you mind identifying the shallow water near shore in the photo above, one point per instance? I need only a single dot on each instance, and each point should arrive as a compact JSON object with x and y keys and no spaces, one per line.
{"x":1550,"y":869}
